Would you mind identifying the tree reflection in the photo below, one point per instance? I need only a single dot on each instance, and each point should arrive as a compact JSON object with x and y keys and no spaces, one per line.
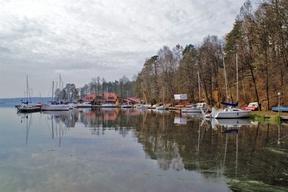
{"x":241,"y":150}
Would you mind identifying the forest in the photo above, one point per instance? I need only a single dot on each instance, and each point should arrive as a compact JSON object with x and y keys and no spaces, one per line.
{"x":254,"y":55}
{"x":124,"y":87}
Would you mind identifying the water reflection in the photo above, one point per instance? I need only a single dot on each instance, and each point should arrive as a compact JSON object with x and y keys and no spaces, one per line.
{"x":26,"y":119}
{"x":247,"y":154}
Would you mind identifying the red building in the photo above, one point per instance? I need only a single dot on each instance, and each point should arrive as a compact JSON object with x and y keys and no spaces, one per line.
{"x":132,"y":100}
{"x":110,"y":97}
{"x":90,"y":97}
{"x":107,"y":97}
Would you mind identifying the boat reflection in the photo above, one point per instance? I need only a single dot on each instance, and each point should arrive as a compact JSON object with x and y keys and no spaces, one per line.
{"x":26,"y":118}
{"x":180,"y":120}
{"x":229,"y":124}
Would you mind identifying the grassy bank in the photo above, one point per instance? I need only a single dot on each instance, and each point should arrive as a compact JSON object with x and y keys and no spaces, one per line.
{"x":270,"y":116}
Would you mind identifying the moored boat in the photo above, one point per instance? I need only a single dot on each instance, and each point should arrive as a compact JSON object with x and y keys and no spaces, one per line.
{"x":84,"y":105}
{"x":160,"y":108}
{"x":125,"y":106}
{"x":229,"y":113}
{"x":141,"y":106}
{"x":280,"y":108}
{"x":55,"y":107}
{"x":195,"y":108}
{"x":26,"y":108}
{"x":108,"y":105}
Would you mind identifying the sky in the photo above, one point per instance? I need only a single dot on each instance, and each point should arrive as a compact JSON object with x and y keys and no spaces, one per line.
{"x":83,"y":39}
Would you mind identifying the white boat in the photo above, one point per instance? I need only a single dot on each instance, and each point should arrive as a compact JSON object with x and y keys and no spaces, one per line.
{"x":55,"y":107}
{"x":229,"y":113}
{"x":142,"y":106}
{"x":195,"y":108}
{"x":72,"y":105}
{"x":152,"y":106}
{"x":84,"y":105}
{"x":125,"y":106}
{"x":160,"y":108}
{"x":108,"y":105}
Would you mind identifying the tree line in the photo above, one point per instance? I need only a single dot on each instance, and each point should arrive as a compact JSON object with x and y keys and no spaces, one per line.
{"x":124,"y":87}
{"x":256,"y":47}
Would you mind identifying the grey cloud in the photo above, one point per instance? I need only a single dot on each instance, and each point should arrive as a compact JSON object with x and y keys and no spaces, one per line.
{"x":84,"y":39}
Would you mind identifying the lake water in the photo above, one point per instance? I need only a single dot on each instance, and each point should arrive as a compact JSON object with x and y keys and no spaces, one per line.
{"x":130,"y":150}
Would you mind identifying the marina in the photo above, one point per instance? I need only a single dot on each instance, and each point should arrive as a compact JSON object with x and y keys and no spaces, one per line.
{"x":144,"y":96}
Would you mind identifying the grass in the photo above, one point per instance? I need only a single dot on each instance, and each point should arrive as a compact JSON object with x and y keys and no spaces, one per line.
{"x":267,"y":116}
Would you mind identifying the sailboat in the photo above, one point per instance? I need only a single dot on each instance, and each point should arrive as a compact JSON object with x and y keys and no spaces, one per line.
{"x":54,"y":106}
{"x":162,"y":106}
{"x":231,"y":111}
{"x":126,"y":104}
{"x":198,"y":107}
{"x":25,"y":107}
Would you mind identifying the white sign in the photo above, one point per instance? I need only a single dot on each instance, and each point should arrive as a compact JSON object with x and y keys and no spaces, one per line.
{"x":180,"y":96}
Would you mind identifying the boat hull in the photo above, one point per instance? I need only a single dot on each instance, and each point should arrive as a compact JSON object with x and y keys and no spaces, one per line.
{"x":126,"y":106}
{"x":160,"y":108}
{"x":280,"y":109}
{"x":55,"y":108}
{"x":232,"y":115}
{"x":108,"y":106}
{"x":84,"y":106}
{"x":28,"y":109}
{"x":191,"y":110}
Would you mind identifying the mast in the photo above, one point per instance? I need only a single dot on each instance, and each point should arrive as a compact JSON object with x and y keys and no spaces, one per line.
{"x":53,"y":90}
{"x":199,"y":86}
{"x":237,"y":78}
{"x":27,"y":89}
{"x":60,"y":82}
{"x":163,"y":95}
{"x":225,"y":76}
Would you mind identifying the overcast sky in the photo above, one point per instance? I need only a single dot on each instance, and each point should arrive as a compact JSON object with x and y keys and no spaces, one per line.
{"x":82,"y":39}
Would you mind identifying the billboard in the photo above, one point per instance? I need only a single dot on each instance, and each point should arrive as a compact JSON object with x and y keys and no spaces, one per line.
{"x":180,"y":97}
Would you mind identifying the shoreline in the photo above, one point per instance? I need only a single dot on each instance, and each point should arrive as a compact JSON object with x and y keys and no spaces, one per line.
{"x":271,"y":116}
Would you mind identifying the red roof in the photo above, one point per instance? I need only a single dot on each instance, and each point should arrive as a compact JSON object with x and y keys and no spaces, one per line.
{"x":90,"y":97}
{"x":133,"y":100}
{"x":105,"y":97}
{"x":110,"y":97}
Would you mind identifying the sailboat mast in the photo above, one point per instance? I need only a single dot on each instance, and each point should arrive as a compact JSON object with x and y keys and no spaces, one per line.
{"x":27,"y":88}
{"x":163,"y":96}
{"x":225,"y":76}
{"x":199,"y":86}
{"x":60,"y":82}
{"x":52,"y":90}
{"x":237,"y":78}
